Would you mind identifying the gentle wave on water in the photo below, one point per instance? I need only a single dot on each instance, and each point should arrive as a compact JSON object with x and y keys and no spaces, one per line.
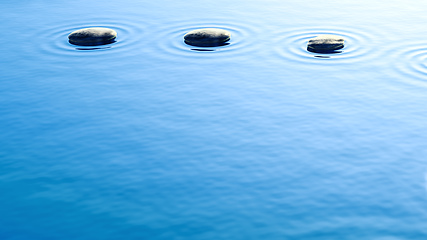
{"x":168,"y":42}
{"x":151,"y":138}
{"x":292,"y":44}
{"x":410,"y":61}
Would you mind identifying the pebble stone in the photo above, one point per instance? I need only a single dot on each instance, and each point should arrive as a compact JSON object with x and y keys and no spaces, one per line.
{"x":92,"y":36}
{"x":325,"y":43}
{"x":207,"y":37}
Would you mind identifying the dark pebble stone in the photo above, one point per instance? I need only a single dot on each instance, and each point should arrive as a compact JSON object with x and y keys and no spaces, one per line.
{"x":92,"y":36}
{"x":207,"y":37}
{"x":325,"y":43}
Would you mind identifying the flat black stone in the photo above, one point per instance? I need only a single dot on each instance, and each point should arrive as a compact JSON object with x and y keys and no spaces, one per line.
{"x":92,"y":36}
{"x":207,"y":37}
{"x":325,"y":44}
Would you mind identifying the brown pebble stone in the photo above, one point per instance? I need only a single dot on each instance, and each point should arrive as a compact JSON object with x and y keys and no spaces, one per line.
{"x":325,"y":43}
{"x":207,"y":37}
{"x":92,"y":36}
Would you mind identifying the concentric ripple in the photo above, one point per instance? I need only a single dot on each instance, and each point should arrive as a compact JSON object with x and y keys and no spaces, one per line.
{"x":54,"y":42}
{"x":292,"y":44}
{"x":169,"y":43}
{"x":411,"y":61}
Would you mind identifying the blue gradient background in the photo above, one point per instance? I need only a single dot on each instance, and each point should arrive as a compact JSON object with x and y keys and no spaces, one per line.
{"x":148,"y":139}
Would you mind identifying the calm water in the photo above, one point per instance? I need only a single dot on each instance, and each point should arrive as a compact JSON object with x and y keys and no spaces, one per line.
{"x":147,"y":138}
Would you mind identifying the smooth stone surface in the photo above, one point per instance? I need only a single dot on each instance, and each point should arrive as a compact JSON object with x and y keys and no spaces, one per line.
{"x":207,"y":37}
{"x":325,"y":43}
{"x":92,"y":36}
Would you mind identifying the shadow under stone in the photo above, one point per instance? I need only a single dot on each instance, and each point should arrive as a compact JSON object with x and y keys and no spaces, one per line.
{"x":324,"y":51}
{"x":202,"y":50}
{"x":98,"y":43}
{"x":89,"y":49}
{"x":207,"y":44}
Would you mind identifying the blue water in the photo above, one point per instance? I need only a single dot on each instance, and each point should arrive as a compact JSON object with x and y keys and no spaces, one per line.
{"x":147,"y":138}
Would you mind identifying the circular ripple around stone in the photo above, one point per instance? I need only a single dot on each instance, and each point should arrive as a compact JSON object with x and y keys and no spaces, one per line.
{"x":292,"y":44}
{"x":411,"y":62}
{"x":169,"y":43}
{"x":54,"y":43}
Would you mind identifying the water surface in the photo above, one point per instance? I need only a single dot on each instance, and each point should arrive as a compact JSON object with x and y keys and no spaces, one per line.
{"x":147,"y":138}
